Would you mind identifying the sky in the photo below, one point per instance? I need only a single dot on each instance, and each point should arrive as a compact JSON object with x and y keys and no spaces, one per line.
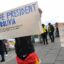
{"x":53,"y":10}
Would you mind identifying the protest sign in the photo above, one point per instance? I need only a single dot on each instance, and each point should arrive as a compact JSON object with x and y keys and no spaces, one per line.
{"x":21,"y":21}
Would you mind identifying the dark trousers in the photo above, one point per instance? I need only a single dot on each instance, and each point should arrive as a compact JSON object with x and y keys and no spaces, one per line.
{"x":2,"y":55}
{"x":6,"y":51}
{"x":51,"y":35}
{"x":57,"y":33}
{"x":44,"y":37}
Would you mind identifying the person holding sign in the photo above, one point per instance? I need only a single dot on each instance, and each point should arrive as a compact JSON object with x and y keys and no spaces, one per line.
{"x":25,"y":50}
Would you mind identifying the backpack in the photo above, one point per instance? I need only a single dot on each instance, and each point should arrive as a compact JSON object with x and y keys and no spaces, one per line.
{"x":52,"y":28}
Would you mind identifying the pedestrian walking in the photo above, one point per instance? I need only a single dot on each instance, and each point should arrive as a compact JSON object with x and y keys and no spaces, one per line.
{"x":2,"y":51}
{"x":51,"y":31}
{"x":44,"y":34}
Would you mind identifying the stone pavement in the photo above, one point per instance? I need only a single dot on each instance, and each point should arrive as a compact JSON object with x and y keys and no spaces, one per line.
{"x":49,"y":53}
{"x":60,"y":57}
{"x":52,"y":53}
{"x":10,"y":59}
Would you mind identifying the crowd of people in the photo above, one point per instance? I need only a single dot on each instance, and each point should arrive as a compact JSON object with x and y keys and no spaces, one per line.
{"x":52,"y":31}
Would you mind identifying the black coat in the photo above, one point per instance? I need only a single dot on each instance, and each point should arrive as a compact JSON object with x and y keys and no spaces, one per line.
{"x":23,"y":46}
{"x":2,"y":45}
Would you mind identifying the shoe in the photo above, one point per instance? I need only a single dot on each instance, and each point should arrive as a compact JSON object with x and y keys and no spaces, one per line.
{"x":2,"y":61}
{"x":52,"y":40}
{"x":46,"y":43}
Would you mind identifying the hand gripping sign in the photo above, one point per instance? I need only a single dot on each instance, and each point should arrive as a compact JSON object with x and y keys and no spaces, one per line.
{"x":21,"y":21}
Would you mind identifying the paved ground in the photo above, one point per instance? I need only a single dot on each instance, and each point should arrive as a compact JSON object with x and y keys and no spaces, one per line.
{"x":48,"y":54}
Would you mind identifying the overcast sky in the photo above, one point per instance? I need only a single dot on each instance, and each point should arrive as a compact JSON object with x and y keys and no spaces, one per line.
{"x":53,"y":10}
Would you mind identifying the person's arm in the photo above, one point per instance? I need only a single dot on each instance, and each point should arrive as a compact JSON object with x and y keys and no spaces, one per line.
{"x":40,"y":11}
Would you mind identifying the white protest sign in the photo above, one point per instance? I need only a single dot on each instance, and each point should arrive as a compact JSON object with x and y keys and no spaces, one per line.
{"x":21,"y":21}
{"x":61,"y":31}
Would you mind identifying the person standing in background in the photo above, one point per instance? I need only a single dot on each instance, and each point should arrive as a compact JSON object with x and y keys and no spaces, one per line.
{"x":2,"y":50}
{"x":56,"y":30}
{"x":51,"y":31}
{"x":44,"y":34}
{"x":6,"y":46}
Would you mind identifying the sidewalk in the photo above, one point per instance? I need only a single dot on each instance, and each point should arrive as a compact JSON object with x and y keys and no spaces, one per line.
{"x":52,"y":53}
{"x":9,"y":58}
{"x":48,"y":54}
